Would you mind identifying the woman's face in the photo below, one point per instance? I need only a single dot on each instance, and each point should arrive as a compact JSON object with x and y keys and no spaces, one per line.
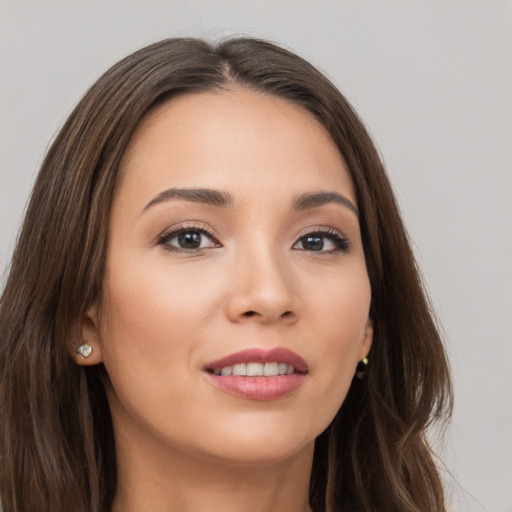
{"x":234,"y":248}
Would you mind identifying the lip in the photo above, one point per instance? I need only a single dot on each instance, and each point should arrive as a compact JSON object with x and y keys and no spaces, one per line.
{"x":259,"y":388}
{"x":259,"y":355}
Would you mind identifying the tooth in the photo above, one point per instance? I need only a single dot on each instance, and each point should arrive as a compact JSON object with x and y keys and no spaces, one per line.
{"x":282,"y":368}
{"x":254,"y":369}
{"x":271,"y":369}
{"x":239,"y":369}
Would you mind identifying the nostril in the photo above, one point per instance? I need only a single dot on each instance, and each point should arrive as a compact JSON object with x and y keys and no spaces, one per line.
{"x":248,"y":314}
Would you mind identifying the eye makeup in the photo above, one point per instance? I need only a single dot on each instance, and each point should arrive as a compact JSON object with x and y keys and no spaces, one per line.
{"x":322,"y":240}
{"x":192,"y":238}
{"x":188,"y":239}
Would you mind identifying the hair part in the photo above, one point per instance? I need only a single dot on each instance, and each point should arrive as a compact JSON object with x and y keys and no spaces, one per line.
{"x":57,"y":447}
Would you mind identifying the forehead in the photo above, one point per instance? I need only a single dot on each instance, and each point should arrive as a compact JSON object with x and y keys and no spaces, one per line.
{"x":229,"y":138}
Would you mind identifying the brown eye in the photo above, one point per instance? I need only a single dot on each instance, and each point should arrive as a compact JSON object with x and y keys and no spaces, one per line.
{"x":188,"y":239}
{"x":322,"y":241}
{"x":312,"y":243}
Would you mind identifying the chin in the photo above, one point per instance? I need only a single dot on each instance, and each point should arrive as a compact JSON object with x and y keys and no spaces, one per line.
{"x":254,"y":454}
{"x":259,"y":444}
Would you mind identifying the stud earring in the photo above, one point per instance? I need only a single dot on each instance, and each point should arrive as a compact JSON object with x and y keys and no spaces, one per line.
{"x":361,"y":368}
{"x":84,"y":350}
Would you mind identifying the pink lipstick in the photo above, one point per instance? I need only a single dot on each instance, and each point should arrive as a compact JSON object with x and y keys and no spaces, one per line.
{"x":258,"y":374}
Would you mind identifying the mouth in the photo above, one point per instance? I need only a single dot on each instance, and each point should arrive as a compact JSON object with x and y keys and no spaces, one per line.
{"x":254,"y":369}
{"x":258,"y":374}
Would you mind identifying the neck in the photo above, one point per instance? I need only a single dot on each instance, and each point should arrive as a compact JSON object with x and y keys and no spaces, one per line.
{"x":154,"y":481}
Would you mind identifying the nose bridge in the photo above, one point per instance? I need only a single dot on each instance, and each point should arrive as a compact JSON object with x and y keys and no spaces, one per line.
{"x":262,"y":285}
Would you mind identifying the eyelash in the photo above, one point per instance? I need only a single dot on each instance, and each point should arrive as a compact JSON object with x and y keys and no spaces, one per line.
{"x":167,"y":237}
{"x":340,"y":242}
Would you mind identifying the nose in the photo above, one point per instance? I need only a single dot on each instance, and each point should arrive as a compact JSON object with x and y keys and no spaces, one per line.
{"x":261,"y":290}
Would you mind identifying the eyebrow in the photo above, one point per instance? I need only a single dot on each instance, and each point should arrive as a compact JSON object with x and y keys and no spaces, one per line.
{"x":195,"y":195}
{"x":306,"y":201}
{"x":314,"y":200}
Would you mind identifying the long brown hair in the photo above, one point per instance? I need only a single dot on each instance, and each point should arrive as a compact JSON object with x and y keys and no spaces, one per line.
{"x":57,"y":448}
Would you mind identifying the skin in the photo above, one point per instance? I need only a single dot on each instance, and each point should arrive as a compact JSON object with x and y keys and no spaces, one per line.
{"x":182,"y":443}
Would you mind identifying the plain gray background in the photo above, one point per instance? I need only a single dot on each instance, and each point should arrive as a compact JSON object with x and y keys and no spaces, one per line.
{"x":433,"y":82}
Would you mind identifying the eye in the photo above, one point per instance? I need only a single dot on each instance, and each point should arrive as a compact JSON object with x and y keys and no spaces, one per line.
{"x":188,"y":239}
{"x":328,"y":241}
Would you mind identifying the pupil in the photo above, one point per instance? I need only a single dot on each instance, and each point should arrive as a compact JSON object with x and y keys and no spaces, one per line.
{"x":313,"y":243}
{"x":189,"y":240}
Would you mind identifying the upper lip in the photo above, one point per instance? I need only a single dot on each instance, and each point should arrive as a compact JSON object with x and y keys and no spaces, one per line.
{"x":259,"y":355}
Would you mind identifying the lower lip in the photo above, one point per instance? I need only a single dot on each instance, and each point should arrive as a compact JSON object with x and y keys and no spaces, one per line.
{"x":258,"y":388}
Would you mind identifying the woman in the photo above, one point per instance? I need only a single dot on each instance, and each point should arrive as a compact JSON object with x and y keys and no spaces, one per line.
{"x":211,"y":250}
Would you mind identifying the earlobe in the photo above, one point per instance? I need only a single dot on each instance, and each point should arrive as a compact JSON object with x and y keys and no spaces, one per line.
{"x":366,"y":345}
{"x":367,"y":341}
{"x":88,"y":352}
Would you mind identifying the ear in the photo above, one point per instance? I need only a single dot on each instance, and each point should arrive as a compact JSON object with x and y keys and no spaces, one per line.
{"x":89,"y":336}
{"x":367,"y":340}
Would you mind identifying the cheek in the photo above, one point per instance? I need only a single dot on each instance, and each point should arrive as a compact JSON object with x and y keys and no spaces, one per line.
{"x":152,"y":301}
{"x":153,"y":319}
{"x":339,"y":314}
{"x":340,"y":302}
